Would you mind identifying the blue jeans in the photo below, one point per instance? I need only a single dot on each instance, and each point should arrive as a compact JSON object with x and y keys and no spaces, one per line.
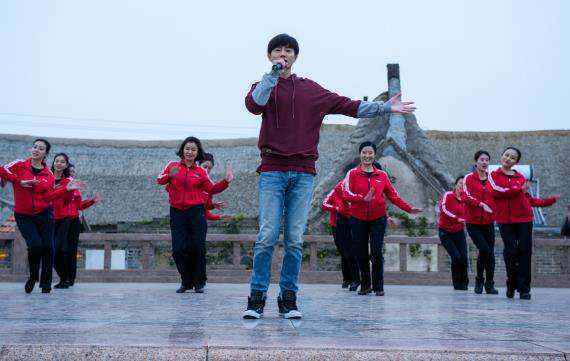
{"x":287,"y":195}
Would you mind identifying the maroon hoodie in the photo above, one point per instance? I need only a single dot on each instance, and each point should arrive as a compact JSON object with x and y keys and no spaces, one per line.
{"x":290,"y":126}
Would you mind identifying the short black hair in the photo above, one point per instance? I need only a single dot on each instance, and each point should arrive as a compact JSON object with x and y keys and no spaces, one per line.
{"x":283,"y":40}
{"x":458,"y":179}
{"x":198,"y":143}
{"x":48,"y":144}
{"x":208,"y":157}
{"x":66,"y":170}
{"x":480,"y":153}
{"x":519,"y":154}
{"x":366,"y":144}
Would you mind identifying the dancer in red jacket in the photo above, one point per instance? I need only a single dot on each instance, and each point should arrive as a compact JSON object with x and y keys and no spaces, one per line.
{"x":207,"y":164}
{"x":78,"y":205}
{"x":364,"y":187}
{"x":339,"y":220}
{"x":513,"y":213}
{"x":186,"y":183}
{"x":452,"y":234}
{"x":62,"y":218}
{"x":479,"y":204}
{"x":34,"y":193}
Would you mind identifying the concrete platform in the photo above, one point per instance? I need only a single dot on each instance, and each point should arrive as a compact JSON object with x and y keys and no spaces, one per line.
{"x":152,"y":322}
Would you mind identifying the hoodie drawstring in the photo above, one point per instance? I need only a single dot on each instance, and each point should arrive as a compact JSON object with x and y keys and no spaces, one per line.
{"x":292,"y":101}
{"x":275,"y":101}
{"x":293,"y":98}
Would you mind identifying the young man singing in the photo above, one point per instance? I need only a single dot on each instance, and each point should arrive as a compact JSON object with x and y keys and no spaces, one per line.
{"x":292,"y":110}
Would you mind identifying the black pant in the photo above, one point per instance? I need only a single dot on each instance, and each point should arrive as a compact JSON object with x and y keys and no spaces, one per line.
{"x":202,"y":271}
{"x":373,"y":232}
{"x":456,"y":246}
{"x":483,"y":236}
{"x":517,"y":238}
{"x":73,"y":239}
{"x":188,"y":230}
{"x":38,"y":232}
{"x":61,"y":248}
{"x":343,"y":241}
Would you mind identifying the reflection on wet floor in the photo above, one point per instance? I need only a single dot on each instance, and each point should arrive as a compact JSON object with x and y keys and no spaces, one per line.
{"x":408,"y":317}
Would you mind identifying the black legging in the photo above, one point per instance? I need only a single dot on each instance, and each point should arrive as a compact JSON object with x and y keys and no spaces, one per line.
{"x":188,"y":230}
{"x":61,"y":248}
{"x":373,"y":232}
{"x":73,"y":237}
{"x":517,"y":238}
{"x":343,"y":240}
{"x":38,"y":232}
{"x":456,"y":246}
{"x":483,"y":236}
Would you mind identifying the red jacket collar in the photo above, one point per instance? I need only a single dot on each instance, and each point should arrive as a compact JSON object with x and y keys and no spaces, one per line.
{"x":375,"y":171}
{"x":516,"y":173}
{"x":28,"y":164}
{"x":476,"y":174}
{"x":182,"y":163}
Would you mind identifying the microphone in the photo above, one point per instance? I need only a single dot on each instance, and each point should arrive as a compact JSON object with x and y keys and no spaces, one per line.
{"x":277,"y":67}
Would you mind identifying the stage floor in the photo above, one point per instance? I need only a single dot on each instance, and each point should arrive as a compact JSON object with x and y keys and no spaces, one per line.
{"x":150,"y":321}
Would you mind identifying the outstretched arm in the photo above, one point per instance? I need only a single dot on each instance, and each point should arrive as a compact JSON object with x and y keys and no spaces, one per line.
{"x":8,"y":172}
{"x":328,"y":205}
{"x":541,"y":202}
{"x":66,"y":188}
{"x":393,"y":105}
{"x":395,"y":198}
{"x":211,"y":216}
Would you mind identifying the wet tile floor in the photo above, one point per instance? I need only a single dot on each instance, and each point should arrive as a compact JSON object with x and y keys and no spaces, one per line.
{"x":421,"y":318}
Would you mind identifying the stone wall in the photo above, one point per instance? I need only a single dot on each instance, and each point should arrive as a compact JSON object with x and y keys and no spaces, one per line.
{"x":124,"y":172}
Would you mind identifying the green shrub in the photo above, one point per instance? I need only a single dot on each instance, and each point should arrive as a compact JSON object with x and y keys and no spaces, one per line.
{"x":233,"y":226}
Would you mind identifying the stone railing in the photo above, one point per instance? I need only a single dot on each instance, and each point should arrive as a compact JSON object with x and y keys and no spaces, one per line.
{"x":409,"y":260}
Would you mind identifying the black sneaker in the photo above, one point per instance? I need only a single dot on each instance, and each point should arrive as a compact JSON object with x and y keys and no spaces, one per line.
{"x":255,"y":305}
{"x":199,"y":288}
{"x":525,"y":296}
{"x":380,"y":293}
{"x":46,"y":289}
{"x":61,"y":285}
{"x":183,"y":289}
{"x":490,"y":288}
{"x":287,"y":303}
{"x":365,"y":291}
{"x":345,"y":284}
{"x":29,"y":286}
{"x":478,"y":286}
{"x":354,"y":286}
{"x":510,"y":292}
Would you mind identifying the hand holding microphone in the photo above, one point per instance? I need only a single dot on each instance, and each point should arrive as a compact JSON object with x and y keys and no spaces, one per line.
{"x":278,"y":65}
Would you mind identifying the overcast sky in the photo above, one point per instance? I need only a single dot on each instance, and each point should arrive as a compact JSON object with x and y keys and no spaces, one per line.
{"x":147,"y":69}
